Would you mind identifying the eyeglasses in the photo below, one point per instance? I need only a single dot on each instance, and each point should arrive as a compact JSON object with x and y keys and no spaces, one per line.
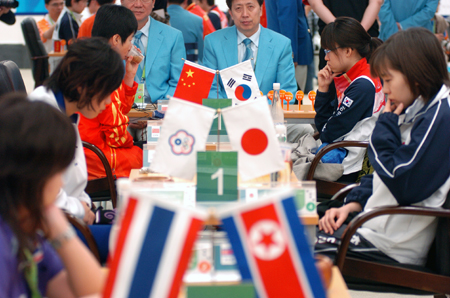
{"x":328,"y":51}
{"x":143,"y":1}
{"x":57,"y":4}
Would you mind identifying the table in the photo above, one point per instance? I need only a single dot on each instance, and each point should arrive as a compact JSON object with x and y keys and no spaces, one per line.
{"x":337,"y":289}
{"x":294,"y":116}
{"x":305,"y":115}
{"x":57,"y":54}
{"x":307,"y":220}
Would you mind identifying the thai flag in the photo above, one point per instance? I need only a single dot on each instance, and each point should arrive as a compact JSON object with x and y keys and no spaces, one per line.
{"x":271,"y":249}
{"x":153,"y":248}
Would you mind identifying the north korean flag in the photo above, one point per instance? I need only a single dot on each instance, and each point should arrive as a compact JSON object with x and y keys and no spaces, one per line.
{"x":271,"y":249}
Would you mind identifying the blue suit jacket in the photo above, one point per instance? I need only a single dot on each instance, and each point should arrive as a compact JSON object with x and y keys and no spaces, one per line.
{"x":163,"y":61}
{"x":417,"y":13}
{"x":189,"y":24}
{"x":288,"y":18}
{"x":274,"y":62}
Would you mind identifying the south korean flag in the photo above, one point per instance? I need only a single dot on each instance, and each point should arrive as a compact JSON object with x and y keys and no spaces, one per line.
{"x":347,"y":102}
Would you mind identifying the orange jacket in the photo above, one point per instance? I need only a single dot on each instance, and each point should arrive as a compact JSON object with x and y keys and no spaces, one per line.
{"x":86,"y":27}
{"x":109,"y":132}
{"x":208,"y":27}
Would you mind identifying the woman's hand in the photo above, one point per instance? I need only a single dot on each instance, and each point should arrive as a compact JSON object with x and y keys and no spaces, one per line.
{"x":324,"y":78}
{"x":56,"y":222}
{"x":335,"y":217}
{"x":393,"y":108}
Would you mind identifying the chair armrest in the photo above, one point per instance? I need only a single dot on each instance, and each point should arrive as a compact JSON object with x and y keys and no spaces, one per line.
{"x":86,"y":232}
{"x":109,"y":175}
{"x":388,"y":210}
{"x":343,"y":192}
{"x":328,"y":148}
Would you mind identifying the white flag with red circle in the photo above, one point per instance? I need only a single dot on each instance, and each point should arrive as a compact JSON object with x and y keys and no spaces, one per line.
{"x":252,"y":133}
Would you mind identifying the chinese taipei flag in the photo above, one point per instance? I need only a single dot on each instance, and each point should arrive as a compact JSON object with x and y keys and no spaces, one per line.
{"x":153,"y":248}
{"x":184,"y":132}
{"x":240,"y":82}
{"x":271,"y":249}
{"x":251,"y":133}
{"x":195,"y":82}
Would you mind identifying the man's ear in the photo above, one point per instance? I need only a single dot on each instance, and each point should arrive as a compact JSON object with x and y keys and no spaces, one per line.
{"x":115,"y":40}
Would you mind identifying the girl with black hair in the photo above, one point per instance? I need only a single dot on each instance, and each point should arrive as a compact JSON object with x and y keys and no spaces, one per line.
{"x":38,"y":143}
{"x":351,"y":112}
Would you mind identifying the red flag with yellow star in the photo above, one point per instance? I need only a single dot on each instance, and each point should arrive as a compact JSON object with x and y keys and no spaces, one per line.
{"x":195,"y":82}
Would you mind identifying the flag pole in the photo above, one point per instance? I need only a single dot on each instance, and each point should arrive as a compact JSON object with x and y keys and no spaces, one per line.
{"x":219,"y":127}
{"x":217,"y":83}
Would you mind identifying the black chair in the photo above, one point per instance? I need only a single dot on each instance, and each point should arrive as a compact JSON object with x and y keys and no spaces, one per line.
{"x":10,"y":78}
{"x":191,"y":51}
{"x":326,"y":189}
{"x":101,"y":189}
{"x":38,"y":54}
{"x":434,"y":277}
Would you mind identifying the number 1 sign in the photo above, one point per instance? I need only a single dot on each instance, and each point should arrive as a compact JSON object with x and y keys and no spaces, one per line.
{"x":216,"y":176}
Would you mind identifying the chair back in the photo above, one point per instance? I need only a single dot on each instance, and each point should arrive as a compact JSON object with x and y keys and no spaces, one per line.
{"x":38,"y":54}
{"x":191,"y":51}
{"x":442,"y":243}
{"x":10,"y":78}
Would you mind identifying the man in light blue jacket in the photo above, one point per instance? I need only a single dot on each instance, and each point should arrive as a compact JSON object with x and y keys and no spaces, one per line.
{"x":188,"y":23}
{"x":163,"y":47}
{"x":271,"y":52}
{"x":403,"y":14}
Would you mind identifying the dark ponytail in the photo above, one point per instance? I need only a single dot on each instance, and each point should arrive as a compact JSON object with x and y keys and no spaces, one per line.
{"x":346,"y":32}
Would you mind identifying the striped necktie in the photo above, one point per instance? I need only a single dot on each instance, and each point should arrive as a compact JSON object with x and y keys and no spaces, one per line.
{"x":248,"y":51}
{"x":138,"y":43}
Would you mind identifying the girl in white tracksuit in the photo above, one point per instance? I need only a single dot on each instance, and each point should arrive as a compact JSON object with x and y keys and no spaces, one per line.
{"x":409,"y":150}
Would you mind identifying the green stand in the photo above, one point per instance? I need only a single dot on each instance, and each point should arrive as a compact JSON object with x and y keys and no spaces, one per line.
{"x":244,"y":290}
{"x":217,"y":104}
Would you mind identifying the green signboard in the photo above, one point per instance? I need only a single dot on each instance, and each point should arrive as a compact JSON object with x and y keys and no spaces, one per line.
{"x":217,"y":176}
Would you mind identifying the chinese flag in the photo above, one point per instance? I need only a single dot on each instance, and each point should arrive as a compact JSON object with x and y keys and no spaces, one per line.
{"x":195,"y":82}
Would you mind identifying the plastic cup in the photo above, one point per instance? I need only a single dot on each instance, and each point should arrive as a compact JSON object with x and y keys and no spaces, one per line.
{"x":137,"y":56}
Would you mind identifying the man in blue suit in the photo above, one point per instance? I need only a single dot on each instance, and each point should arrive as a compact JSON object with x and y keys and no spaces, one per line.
{"x":188,"y":23}
{"x":163,"y":47}
{"x":288,"y":18}
{"x":271,"y":52}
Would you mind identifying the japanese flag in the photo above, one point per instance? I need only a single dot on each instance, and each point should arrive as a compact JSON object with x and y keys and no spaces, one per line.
{"x":184,"y":132}
{"x":251,"y":133}
{"x":240,"y":82}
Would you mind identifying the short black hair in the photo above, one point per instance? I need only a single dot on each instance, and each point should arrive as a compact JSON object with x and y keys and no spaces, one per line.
{"x":260,"y":2}
{"x":112,"y":19}
{"x":90,"y":65}
{"x":69,"y":2}
{"x":211,"y":2}
{"x":103,"y":2}
{"x":418,"y":55}
{"x":175,"y":1}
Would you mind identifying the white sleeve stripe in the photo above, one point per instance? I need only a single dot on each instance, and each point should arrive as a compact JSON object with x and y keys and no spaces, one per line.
{"x":415,"y":153}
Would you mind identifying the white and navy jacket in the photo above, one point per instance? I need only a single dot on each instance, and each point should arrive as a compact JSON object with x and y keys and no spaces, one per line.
{"x":75,"y":177}
{"x":411,"y":157}
{"x":352,"y":120}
